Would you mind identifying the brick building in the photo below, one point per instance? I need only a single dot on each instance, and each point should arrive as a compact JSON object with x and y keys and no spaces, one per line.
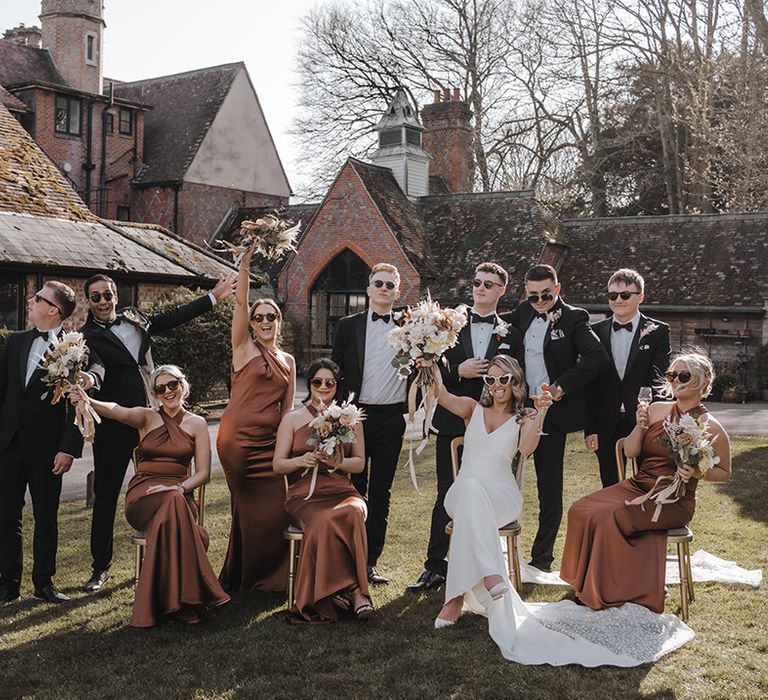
{"x":179,"y":151}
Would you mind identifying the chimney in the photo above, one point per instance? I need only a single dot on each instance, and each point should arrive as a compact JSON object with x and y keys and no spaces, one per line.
{"x":28,"y":36}
{"x":448,"y":139}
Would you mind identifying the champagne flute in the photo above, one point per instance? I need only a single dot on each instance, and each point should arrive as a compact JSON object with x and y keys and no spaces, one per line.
{"x":544,"y":387}
{"x":645,"y":396}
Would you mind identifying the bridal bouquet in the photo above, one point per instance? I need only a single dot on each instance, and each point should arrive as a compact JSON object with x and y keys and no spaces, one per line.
{"x":62,"y":363}
{"x":333,"y":427}
{"x":690,"y":444}
{"x":272,"y":235}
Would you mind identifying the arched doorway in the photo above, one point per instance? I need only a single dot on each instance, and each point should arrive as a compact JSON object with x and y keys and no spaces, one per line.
{"x":339,"y":291}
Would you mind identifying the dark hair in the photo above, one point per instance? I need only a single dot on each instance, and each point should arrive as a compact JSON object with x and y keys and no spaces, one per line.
{"x":315,"y":367}
{"x":538,"y":273}
{"x":495,"y":269}
{"x":65,"y":296}
{"x":99,"y":278}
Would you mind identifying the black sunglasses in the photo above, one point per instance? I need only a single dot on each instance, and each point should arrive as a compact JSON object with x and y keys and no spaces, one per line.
{"x":503,"y":379}
{"x":318,"y":382}
{"x":381,"y":283}
{"x":96,"y":296}
{"x":39,"y":298}
{"x":683,"y":376}
{"x":534,"y":298}
{"x":613,"y":296}
{"x":486,"y":283}
{"x":260,"y":317}
{"x":171,"y":386}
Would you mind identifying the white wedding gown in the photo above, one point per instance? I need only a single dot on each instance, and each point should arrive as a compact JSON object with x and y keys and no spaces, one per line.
{"x":484,"y":497}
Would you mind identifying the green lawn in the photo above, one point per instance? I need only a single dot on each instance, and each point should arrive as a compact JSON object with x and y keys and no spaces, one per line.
{"x":86,"y":649}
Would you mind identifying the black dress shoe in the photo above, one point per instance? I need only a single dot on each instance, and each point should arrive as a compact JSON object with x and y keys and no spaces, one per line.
{"x":546,"y":568}
{"x":97,"y":581}
{"x":376,"y":578}
{"x":51,"y":594}
{"x":428,"y":579}
{"x":8,"y":593}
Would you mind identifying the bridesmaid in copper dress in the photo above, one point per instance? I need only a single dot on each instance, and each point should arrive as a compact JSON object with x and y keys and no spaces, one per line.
{"x":614,"y":553}
{"x":333,"y":559}
{"x":263,"y":388}
{"x":176,"y":580}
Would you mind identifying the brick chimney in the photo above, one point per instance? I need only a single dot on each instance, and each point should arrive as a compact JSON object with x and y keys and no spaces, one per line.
{"x":28,"y":36}
{"x":448,"y":139}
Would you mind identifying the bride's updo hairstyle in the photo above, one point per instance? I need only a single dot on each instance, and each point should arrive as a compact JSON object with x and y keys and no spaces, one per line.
{"x":508,"y":365}
{"x":702,"y":373}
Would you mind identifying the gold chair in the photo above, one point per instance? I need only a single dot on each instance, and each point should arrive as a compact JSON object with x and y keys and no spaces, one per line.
{"x":139,"y":541}
{"x":510,"y":532}
{"x":679,"y":536}
{"x":294,"y":535}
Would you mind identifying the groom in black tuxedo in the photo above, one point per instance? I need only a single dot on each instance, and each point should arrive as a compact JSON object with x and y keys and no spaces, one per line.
{"x":38,"y":443}
{"x":638,"y":347}
{"x":360,"y":349}
{"x":561,"y":351}
{"x":123,"y":341}
{"x":464,"y":365}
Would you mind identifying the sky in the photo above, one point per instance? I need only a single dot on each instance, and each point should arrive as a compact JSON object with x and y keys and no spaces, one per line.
{"x":149,"y":38}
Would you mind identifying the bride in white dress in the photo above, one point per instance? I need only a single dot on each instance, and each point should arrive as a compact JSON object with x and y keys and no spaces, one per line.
{"x":484,"y":497}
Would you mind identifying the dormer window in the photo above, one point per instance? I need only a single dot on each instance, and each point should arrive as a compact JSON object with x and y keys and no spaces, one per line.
{"x":390,"y":137}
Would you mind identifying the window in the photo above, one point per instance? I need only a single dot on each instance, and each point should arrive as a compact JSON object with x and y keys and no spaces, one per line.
{"x":126,"y":122}
{"x":68,"y":115}
{"x":11,"y":302}
{"x":123,"y":213}
{"x":90,"y":48}
{"x":126,"y":294}
{"x":413,"y":136}
{"x":109,"y":122}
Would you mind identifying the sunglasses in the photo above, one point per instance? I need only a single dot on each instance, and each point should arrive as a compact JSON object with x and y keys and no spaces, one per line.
{"x":318,"y":382}
{"x":476,"y":283}
{"x":171,"y":386}
{"x":97,"y":296}
{"x":613,"y":296}
{"x":503,"y":379}
{"x":381,"y":283}
{"x":38,"y":298}
{"x":271,"y":318}
{"x":534,"y":298}
{"x":683,"y":377}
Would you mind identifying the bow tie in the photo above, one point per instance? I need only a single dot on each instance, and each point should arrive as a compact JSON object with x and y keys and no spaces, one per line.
{"x":543,"y":317}
{"x":376,"y":317}
{"x":477,"y":318}
{"x":622,"y":326}
{"x":106,"y":325}
{"x":37,"y":333}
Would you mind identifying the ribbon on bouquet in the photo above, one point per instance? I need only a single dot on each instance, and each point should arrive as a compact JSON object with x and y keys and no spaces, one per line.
{"x":428,"y":405}
{"x":666,"y":495}
{"x":86,"y":419}
{"x":313,"y":481}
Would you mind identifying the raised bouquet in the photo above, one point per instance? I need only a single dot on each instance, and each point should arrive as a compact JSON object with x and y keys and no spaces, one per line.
{"x":272,"y":236}
{"x":690,"y":444}
{"x":333,"y":427}
{"x":65,"y":359}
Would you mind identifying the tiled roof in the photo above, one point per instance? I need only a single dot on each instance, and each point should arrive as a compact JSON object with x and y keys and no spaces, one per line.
{"x":402,"y":215}
{"x":20,"y":64}
{"x":184,"y":107}
{"x":11,"y":101}
{"x":692,"y":260}
{"x":29,"y":181}
{"x":510,"y":228}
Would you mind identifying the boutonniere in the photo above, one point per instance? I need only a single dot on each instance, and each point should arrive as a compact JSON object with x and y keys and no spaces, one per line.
{"x":554,"y":317}
{"x":398,"y":317}
{"x":648,"y":327}
{"x":501,"y":330}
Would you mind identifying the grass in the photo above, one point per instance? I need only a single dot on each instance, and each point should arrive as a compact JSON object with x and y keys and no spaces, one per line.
{"x":86,"y":649}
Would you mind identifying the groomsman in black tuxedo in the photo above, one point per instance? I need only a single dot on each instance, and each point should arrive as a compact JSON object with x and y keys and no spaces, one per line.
{"x":360,"y":349}
{"x":464,"y":365}
{"x":638,"y":347}
{"x":123,"y":341}
{"x":38,"y":443}
{"x":561,"y":351}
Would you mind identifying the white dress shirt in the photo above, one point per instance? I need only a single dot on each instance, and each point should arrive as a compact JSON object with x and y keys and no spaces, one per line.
{"x":480,"y":334}
{"x":621,"y":344}
{"x":380,"y":385}
{"x":535,"y":368}
{"x":37,"y":352}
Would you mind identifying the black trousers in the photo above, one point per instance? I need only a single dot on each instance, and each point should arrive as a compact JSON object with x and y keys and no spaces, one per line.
{"x":548,"y":460}
{"x":17,"y":471}
{"x":383,"y":429}
{"x":112,"y":450}
{"x":437,"y":549}
{"x":606,"y":451}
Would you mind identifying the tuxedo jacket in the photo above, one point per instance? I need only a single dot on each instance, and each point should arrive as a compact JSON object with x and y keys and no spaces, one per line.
{"x":123,"y":381}
{"x":43,"y":429}
{"x":647,"y":362}
{"x":573,"y":356}
{"x":445,"y":422}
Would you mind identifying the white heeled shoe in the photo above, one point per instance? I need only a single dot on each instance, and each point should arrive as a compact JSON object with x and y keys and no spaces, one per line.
{"x":498,"y":590}
{"x":442,"y":623}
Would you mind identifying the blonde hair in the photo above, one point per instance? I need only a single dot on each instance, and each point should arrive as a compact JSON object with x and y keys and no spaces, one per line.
{"x":702,"y":373}
{"x":510,"y":366}
{"x":176,"y":373}
{"x":385,"y":267}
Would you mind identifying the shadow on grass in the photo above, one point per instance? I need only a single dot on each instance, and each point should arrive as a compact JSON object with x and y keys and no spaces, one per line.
{"x":748,"y":486}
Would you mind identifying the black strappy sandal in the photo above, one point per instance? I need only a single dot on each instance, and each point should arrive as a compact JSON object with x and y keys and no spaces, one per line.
{"x":364,"y":610}
{"x":342,"y":600}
